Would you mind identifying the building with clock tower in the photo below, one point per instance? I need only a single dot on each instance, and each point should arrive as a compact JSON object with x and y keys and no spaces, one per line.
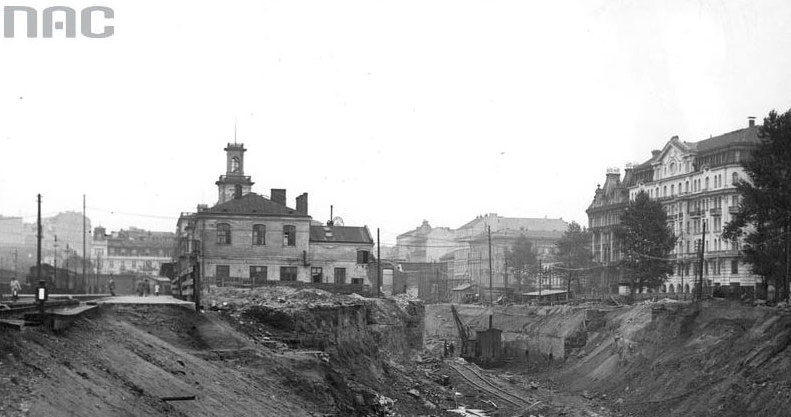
{"x":234,"y":183}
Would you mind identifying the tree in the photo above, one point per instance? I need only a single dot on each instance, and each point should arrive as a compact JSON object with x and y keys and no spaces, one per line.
{"x":764,"y":212}
{"x":646,"y":241}
{"x":521,"y":258}
{"x":574,"y":253}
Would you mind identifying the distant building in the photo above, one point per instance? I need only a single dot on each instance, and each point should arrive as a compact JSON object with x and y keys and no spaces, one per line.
{"x":464,"y":252}
{"x":425,"y":243}
{"x":131,"y":251}
{"x":247,"y":238}
{"x":694,"y":181}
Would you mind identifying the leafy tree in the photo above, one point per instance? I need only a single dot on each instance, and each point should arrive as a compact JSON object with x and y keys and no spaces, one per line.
{"x":764,"y":213}
{"x":574,"y":253}
{"x":646,"y":241}
{"x":521,"y":257}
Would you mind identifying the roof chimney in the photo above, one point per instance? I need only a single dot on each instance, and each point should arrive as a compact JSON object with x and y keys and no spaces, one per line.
{"x":278,"y":195}
{"x":751,"y":121}
{"x":302,"y":204}
{"x":655,"y":152}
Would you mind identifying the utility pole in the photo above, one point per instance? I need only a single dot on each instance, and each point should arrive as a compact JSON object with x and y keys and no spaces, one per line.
{"x":38,"y":241}
{"x":16,"y":260}
{"x":539,"y":276}
{"x":55,"y":261}
{"x":378,"y":264}
{"x":83,"y":240}
{"x":788,"y":263}
{"x":491,"y":297}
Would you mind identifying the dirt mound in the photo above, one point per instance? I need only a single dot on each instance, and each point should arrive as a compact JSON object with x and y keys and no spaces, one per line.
{"x":679,"y":359}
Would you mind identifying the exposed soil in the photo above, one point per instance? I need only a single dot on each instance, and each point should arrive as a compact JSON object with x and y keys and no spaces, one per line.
{"x":282,"y":351}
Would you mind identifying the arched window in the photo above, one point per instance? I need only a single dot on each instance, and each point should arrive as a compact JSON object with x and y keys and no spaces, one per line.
{"x":734,"y":178}
{"x":235,"y":164}
{"x":672,"y":189}
{"x":223,"y":234}
{"x":706,"y":186}
{"x":259,"y":234}
{"x":686,"y":186}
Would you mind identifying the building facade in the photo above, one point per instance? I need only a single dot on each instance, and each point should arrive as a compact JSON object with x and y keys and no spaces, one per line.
{"x":695,"y":182}
{"x":132,"y":251}
{"x":246,"y":239}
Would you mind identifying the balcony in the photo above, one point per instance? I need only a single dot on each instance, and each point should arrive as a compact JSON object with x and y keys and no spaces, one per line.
{"x":716,"y":211}
{"x":696,"y":213}
{"x":733,"y":209}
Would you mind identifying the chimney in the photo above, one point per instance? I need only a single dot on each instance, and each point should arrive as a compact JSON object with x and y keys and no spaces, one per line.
{"x":302,"y":204}
{"x":751,"y":121}
{"x":278,"y":195}
{"x":99,"y":233}
{"x":655,"y":152}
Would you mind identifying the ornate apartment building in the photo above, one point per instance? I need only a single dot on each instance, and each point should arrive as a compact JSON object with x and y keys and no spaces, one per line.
{"x":247,"y":238}
{"x":694,"y":181}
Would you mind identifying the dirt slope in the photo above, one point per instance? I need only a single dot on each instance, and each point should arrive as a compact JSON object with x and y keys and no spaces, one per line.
{"x":719,"y":358}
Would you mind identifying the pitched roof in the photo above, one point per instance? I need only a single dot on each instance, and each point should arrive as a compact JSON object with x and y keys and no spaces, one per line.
{"x":253,"y":204}
{"x":340,"y":234}
{"x":747,"y":136}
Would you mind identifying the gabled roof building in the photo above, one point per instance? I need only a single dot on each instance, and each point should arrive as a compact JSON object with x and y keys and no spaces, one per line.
{"x":247,"y":239}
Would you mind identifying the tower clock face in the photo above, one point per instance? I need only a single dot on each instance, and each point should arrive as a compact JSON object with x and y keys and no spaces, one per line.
{"x":235,"y":164}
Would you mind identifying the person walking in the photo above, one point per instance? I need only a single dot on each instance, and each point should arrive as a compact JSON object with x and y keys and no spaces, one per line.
{"x":111,"y":287}
{"x":156,"y":289}
{"x":16,"y":288}
{"x":146,"y":288}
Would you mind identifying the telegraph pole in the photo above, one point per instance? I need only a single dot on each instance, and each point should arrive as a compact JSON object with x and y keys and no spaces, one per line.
{"x":38,"y":241}
{"x":378,"y":264}
{"x":55,"y":261}
{"x":83,"y":240}
{"x":491,"y":297}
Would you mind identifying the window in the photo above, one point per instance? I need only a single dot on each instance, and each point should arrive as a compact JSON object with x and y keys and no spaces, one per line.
{"x":289,"y":235}
{"x":316,"y":275}
{"x":340,"y":275}
{"x":222,"y":272}
{"x":672,"y":189}
{"x":259,"y":234}
{"x":288,"y":273}
{"x":686,"y":186}
{"x":223,"y":234}
{"x":734,"y":178}
{"x":258,"y":274}
{"x":734,"y":267}
{"x":362,"y":256}
{"x":357,"y":281}
{"x":706,"y":187}
{"x":235,"y":164}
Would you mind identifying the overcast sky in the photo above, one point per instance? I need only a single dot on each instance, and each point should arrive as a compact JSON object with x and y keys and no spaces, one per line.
{"x":393,"y":112}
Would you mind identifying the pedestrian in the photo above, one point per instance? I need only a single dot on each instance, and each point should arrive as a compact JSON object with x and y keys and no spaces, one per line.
{"x":111,"y":287}
{"x":146,"y":288}
{"x":156,"y":289}
{"x":15,"y":287}
{"x":451,"y":348}
{"x":139,"y":288}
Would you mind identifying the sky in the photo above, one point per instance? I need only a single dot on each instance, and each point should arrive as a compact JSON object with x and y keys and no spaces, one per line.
{"x":392,"y":112}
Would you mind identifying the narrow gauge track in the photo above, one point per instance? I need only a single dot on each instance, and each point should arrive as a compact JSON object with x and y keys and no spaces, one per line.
{"x":479,"y":381}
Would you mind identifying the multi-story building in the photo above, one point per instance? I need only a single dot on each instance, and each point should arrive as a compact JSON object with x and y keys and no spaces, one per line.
{"x":247,"y":238}
{"x":604,"y":215}
{"x":695,"y":183}
{"x":425,"y":243}
{"x":465,"y":251}
{"x":132,"y":251}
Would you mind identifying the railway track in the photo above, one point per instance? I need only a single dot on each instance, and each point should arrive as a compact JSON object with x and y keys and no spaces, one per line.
{"x":479,"y":381}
